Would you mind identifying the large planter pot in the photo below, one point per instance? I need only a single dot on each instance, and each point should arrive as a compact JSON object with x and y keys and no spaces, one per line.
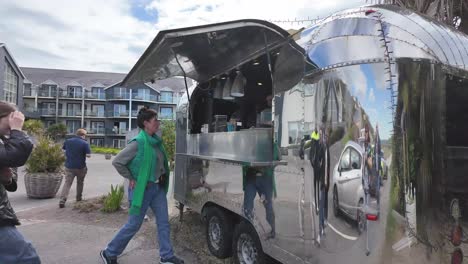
{"x":42,"y":185}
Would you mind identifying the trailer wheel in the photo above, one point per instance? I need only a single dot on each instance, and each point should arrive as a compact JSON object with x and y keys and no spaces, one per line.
{"x":246,"y":245}
{"x":219,"y":229}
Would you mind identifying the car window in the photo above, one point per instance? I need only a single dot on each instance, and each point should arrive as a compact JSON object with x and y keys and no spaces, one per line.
{"x":344,"y":163}
{"x":355,"y":159}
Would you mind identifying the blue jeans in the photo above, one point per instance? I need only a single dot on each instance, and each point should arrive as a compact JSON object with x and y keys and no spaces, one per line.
{"x":323,"y":198}
{"x":154,"y":197}
{"x":264,"y":186}
{"x":15,"y":249}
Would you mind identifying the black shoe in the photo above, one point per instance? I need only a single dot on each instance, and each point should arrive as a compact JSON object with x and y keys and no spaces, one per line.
{"x":173,"y":260}
{"x":106,"y":259}
{"x":61,"y":205}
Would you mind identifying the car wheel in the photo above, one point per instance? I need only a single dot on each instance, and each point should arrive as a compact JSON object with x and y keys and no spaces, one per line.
{"x":246,"y":245}
{"x":361,"y":217}
{"x":219,"y":231}
{"x":336,"y":204}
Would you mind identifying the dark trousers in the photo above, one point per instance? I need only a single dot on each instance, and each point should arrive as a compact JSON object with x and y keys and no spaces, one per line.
{"x":262,"y":185}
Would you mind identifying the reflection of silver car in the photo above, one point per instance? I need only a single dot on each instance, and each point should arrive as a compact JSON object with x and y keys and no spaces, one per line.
{"x":348,"y":194}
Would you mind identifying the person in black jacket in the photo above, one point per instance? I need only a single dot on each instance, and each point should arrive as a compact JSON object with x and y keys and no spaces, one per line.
{"x":323,"y":163}
{"x":14,"y":152}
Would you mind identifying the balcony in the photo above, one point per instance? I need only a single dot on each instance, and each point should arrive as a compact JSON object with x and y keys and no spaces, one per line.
{"x":117,"y":114}
{"x":96,"y":131}
{"x":95,"y":96}
{"x":96,"y":114}
{"x":31,"y":112}
{"x":117,"y":131}
{"x":74,"y":113}
{"x":119,"y":96}
{"x":146,"y":97}
{"x":70,"y":95}
{"x":47,"y":94}
{"x":47,"y":111}
{"x":168,"y":100}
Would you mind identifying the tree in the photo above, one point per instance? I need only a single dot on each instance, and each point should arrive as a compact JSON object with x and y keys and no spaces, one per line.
{"x":34,"y":127}
{"x":57,"y":131}
{"x":168,"y":136}
{"x":450,"y":12}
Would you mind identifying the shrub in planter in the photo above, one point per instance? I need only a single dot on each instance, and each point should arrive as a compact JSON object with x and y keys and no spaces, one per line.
{"x":44,"y":169}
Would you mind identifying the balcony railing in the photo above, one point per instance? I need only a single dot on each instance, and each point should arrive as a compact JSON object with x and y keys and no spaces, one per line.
{"x":117,"y":114}
{"x":171,"y":100}
{"x":46,"y":94}
{"x":123,"y":96}
{"x":146,"y":97}
{"x":71,"y":95}
{"x":97,"y":96}
{"x":46,"y":111}
{"x":74,"y":113}
{"x":117,"y":131}
{"x":90,"y":113}
{"x":94,"y":131}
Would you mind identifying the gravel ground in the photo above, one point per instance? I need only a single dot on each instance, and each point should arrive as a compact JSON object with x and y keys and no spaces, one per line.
{"x":188,"y":237}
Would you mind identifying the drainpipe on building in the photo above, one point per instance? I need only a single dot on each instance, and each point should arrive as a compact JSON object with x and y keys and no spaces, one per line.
{"x":57,"y":91}
{"x":130,"y":112}
{"x":82,"y":106}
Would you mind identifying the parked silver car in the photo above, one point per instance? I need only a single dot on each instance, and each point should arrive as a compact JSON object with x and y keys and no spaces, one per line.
{"x":348,"y":193}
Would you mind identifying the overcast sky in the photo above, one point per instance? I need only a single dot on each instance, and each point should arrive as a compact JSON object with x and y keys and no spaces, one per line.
{"x":110,"y":35}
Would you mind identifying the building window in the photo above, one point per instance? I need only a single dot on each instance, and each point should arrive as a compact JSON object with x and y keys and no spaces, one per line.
{"x":10,"y":89}
{"x":47,"y":90}
{"x":72,"y":126}
{"x":97,"y":110}
{"x":142,"y":94}
{"x":97,"y":93}
{"x":74,"y":92}
{"x":120,"y":110}
{"x":98,"y":142}
{"x":27,"y":90}
{"x":47,"y":109}
{"x":166,"y":113}
{"x":118,"y":143}
{"x":96,"y":128}
{"x":74,"y":110}
{"x":166,"y":97}
{"x":120,"y":128}
{"x":120,"y":93}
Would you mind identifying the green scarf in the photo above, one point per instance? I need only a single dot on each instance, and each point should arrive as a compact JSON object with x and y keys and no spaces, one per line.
{"x":147,"y":167}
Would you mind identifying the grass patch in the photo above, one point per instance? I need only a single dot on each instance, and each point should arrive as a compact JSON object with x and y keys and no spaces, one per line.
{"x":102,"y":150}
{"x":89,"y":205}
{"x":113,"y":199}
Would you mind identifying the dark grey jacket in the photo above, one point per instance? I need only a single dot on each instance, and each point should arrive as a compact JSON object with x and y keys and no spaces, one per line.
{"x":14,"y":152}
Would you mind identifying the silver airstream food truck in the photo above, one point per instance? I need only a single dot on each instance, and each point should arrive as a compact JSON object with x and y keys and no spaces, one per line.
{"x":242,"y":150}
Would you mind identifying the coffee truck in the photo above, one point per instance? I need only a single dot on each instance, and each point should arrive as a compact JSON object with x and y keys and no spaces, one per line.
{"x":259,"y":92}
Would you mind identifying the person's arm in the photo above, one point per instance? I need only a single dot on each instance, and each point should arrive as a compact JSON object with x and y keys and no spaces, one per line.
{"x":16,"y":150}
{"x":123,"y":158}
{"x":88,"y":151}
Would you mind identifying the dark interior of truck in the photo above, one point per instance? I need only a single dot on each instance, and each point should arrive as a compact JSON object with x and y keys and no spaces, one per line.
{"x":205,"y":104}
{"x":456,"y":114}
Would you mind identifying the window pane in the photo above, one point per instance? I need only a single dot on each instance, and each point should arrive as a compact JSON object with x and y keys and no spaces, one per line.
{"x":356,"y":158}
{"x":345,"y":160}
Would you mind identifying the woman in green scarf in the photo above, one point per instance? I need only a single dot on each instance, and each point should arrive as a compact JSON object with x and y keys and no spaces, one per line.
{"x":144,"y":163}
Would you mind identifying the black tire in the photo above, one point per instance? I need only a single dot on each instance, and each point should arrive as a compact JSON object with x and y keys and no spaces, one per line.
{"x":361,"y":218}
{"x":336,"y":204}
{"x":246,"y":245}
{"x":219,"y":231}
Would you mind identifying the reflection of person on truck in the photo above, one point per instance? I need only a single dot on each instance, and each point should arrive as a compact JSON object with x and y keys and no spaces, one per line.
{"x":313,"y":162}
{"x":323,"y":164}
{"x":261,"y":181}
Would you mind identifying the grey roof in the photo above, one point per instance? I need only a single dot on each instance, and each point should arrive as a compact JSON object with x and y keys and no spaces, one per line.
{"x":64,"y":77}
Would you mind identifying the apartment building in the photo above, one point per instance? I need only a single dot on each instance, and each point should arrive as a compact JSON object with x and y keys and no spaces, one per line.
{"x":95,"y":101}
{"x":11,"y":78}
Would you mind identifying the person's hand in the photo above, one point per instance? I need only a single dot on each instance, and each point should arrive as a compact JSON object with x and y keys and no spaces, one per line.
{"x":132,"y":184}
{"x":5,"y":175}
{"x":16,"y":120}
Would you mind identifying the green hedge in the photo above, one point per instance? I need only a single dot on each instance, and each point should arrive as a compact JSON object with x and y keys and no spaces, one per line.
{"x":102,"y":150}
